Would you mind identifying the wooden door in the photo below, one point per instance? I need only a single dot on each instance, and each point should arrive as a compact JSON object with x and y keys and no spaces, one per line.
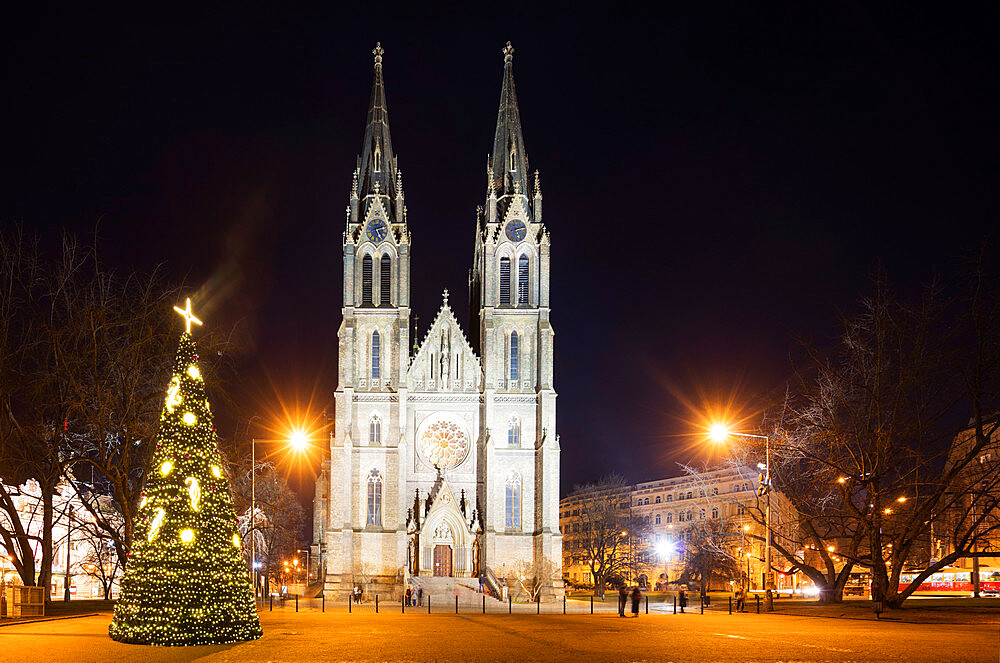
{"x":442,"y":560}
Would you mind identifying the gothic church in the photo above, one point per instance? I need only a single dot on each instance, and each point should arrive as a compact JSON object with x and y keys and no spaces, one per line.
{"x":444,"y":460}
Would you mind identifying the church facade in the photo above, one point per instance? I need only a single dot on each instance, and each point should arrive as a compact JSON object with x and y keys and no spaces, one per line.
{"x":444,"y":460}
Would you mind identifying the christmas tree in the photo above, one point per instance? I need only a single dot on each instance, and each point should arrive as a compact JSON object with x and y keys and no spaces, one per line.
{"x":185,"y":580}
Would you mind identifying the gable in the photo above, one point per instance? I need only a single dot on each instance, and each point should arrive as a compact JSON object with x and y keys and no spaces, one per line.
{"x":445,"y":360}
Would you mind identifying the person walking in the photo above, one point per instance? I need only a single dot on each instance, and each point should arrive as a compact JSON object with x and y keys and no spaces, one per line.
{"x":409,"y":595}
{"x":636,"y":598}
{"x":682,"y":600}
{"x":622,"y":600}
{"x":739,"y":599}
{"x":420,"y":597}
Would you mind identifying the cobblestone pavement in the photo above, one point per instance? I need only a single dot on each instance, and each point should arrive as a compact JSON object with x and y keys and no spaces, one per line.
{"x":417,"y":636}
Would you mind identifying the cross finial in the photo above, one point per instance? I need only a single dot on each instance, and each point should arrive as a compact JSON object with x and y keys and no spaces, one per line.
{"x":188,"y":316}
{"x":445,"y":296}
{"x":377,"y":52}
{"x":378,"y":186}
{"x":508,"y":52}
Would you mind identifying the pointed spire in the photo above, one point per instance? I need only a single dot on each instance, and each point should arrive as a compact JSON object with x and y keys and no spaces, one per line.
{"x":377,"y":165}
{"x":509,"y":171}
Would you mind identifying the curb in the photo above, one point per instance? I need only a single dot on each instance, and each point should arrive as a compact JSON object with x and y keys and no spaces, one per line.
{"x":46,"y":619}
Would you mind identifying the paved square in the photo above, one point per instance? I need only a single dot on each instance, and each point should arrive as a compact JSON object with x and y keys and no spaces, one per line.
{"x":417,"y":636}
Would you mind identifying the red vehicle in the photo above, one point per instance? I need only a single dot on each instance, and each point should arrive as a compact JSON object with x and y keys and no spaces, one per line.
{"x":954,"y":582}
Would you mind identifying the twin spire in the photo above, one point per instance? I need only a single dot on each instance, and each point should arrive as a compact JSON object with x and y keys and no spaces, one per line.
{"x":378,"y":173}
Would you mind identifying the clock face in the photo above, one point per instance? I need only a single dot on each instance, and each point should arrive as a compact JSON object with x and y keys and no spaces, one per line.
{"x":516,"y":230}
{"x":376,"y":230}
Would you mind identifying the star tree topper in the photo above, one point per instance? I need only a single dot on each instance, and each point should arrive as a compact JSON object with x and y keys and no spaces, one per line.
{"x":188,"y":316}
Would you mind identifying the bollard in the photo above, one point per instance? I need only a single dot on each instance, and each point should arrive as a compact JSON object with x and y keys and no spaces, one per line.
{"x":591,"y":605}
{"x":376,"y":604}
{"x":758,"y":603}
{"x":675,"y":605}
{"x":702,"y":601}
{"x":456,"y":604}
{"x":647,"y":604}
{"x":538,"y":602}
{"x":564,"y":604}
{"x":270,"y":603}
{"x":428,"y":604}
{"x":510,"y":605}
{"x":296,"y":603}
{"x":402,"y":604}
{"x":484,"y":604}
{"x":324,"y":601}
{"x":730,"y":605}
{"x":350,"y":599}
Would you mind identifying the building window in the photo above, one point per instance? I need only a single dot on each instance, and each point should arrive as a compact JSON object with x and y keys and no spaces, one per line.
{"x":740,"y":510}
{"x":715,"y":513}
{"x":670,"y":498}
{"x":701,"y":514}
{"x":378,"y":156}
{"x":376,"y":356}
{"x":385,"y":281}
{"x":514,"y":433}
{"x":657,"y":499}
{"x":374,"y":498}
{"x":657,"y":519}
{"x":504,"y":281}
{"x":746,"y":486}
{"x":690,"y":495}
{"x":513,"y":158}
{"x":366,"y":281}
{"x":715,"y":491}
{"x":736,"y":488}
{"x":701,"y":493}
{"x":646,"y":520}
{"x":670,"y":517}
{"x":522,"y":281}
{"x":375,"y":431}
{"x":513,"y":356}
{"x":512,"y":502}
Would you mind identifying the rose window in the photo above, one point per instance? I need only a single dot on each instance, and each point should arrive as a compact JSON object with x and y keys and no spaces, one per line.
{"x":444,"y":444}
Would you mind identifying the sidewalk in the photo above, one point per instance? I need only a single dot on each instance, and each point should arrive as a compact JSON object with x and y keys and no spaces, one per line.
{"x":65,"y":610}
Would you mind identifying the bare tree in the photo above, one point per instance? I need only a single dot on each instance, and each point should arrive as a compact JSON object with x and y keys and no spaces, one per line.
{"x":605,"y":519}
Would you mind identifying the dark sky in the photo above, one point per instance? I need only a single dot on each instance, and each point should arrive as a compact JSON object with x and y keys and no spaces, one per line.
{"x":716,"y":184}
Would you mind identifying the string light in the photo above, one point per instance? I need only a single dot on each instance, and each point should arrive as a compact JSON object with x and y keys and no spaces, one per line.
{"x":185,"y":580}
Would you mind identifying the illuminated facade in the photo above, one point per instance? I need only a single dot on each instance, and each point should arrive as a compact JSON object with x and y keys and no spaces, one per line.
{"x":445,"y":458}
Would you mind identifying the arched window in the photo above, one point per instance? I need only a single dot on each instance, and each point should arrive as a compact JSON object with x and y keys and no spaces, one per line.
{"x":375,"y":431}
{"x":701,"y":514}
{"x":740,"y":510}
{"x":736,"y":488}
{"x":715,"y":513}
{"x":504,"y":282}
{"x":680,"y":496}
{"x":670,"y":498}
{"x":670,"y":517}
{"x":374,"y":498}
{"x":514,"y":349}
{"x":513,"y":158}
{"x":385,"y":281}
{"x":522,"y":281}
{"x":378,"y":157}
{"x":512,"y":502}
{"x":746,"y":486}
{"x":657,"y":519}
{"x":680,"y":516}
{"x":514,"y":433}
{"x":657,"y":501}
{"x":366,"y":281}
{"x":376,"y":356}
{"x":701,"y":493}
{"x":690,"y":494}
{"x":646,"y":520}
{"x":646,"y":501}
{"x":715,"y":491}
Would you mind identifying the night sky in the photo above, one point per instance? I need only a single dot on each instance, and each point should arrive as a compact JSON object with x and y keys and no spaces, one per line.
{"x":717,"y":185}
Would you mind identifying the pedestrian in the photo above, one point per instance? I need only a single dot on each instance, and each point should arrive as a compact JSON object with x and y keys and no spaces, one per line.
{"x":409,"y":595}
{"x":622,"y":599}
{"x":682,"y":600}
{"x":420,"y":597}
{"x":636,"y":597}
{"x":482,"y":583}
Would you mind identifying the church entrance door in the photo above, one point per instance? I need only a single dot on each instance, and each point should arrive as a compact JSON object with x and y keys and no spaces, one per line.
{"x":442,"y":560}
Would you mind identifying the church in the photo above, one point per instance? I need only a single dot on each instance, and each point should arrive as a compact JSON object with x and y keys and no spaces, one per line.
{"x":444,"y":457}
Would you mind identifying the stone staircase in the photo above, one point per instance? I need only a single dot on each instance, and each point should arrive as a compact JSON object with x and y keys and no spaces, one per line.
{"x":443,"y":589}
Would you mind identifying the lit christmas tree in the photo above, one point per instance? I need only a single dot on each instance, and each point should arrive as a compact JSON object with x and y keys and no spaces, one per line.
{"x":185,"y":581}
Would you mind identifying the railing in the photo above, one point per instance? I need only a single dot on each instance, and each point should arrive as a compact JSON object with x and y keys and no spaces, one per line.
{"x":492,"y":584}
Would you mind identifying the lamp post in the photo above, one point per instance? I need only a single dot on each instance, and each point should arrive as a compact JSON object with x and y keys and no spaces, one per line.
{"x":720,"y":433}
{"x":253,"y":508}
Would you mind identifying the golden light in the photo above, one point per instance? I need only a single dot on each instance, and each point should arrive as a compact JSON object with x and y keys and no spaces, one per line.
{"x":746,"y":528}
{"x":216,"y":471}
{"x":194,"y":372}
{"x":187,"y":535}
{"x":299,"y":440}
{"x":900,"y":499}
{"x":842,"y":480}
{"x":189,"y":418}
{"x":166,"y":467}
{"x":296,"y":562}
{"x":830,"y":548}
{"x":887,"y":511}
{"x":718,"y":432}
{"x":236,"y":540}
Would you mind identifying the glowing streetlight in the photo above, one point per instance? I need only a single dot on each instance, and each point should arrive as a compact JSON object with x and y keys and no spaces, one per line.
{"x":719,"y":432}
{"x":901,"y":499}
{"x":299,"y":440}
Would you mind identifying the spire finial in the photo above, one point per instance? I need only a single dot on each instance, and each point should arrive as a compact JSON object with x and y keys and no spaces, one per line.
{"x":378,"y":51}
{"x":508,"y":52}
{"x":538,"y":183}
{"x":444,"y":295}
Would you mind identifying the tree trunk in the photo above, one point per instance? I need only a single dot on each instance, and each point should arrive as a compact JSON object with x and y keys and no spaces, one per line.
{"x":45,"y":568}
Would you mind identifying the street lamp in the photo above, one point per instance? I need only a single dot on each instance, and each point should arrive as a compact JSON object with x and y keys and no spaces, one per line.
{"x":719,"y":433}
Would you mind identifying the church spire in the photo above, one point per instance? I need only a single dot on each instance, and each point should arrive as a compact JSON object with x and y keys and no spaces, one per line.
{"x":377,"y":172}
{"x":509,"y":162}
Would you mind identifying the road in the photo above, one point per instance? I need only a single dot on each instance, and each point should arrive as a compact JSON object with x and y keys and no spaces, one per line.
{"x":416,"y":636}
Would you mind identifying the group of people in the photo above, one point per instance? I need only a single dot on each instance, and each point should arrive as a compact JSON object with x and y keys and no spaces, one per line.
{"x":623,"y":599}
{"x":414,"y":597}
